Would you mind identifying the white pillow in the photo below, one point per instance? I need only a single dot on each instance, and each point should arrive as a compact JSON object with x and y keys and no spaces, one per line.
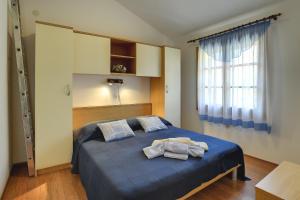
{"x":150,"y":124}
{"x":115,"y":130}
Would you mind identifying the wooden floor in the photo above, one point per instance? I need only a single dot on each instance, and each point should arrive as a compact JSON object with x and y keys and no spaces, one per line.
{"x":64,"y":185}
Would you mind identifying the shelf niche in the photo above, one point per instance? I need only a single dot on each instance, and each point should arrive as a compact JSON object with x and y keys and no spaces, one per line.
{"x":123,"y":52}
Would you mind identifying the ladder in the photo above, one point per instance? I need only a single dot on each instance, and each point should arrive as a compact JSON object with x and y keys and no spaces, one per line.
{"x":23,"y":87}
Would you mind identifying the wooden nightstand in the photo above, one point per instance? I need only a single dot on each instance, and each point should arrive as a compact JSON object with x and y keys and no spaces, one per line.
{"x":282,"y":183}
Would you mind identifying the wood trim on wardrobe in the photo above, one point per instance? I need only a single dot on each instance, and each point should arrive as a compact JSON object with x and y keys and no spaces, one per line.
{"x":98,"y":35}
{"x":157,"y":89}
{"x":52,"y":24}
{"x":92,"y":34}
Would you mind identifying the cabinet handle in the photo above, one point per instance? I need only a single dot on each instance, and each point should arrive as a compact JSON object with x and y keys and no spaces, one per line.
{"x":167,"y":89}
{"x":68,"y":90}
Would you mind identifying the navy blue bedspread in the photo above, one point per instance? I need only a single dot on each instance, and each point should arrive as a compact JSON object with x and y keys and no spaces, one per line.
{"x":120,"y":170}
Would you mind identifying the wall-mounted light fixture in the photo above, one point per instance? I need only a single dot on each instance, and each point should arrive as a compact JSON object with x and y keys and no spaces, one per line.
{"x":116,"y":84}
{"x":114,"y":81}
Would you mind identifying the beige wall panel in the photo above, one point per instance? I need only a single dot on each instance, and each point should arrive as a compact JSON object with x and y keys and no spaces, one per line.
{"x":93,"y":90}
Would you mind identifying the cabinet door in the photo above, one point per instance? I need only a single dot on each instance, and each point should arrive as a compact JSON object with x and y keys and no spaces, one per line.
{"x":92,"y":54}
{"x":148,"y":60}
{"x":54,"y":60}
{"x":173,"y":85}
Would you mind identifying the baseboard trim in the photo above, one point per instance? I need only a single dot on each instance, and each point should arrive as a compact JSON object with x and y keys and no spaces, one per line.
{"x":54,"y":169}
{"x":260,"y":159}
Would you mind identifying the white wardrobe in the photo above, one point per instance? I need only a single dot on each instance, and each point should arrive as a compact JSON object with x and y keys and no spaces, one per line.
{"x":61,"y":52}
{"x":172,"y":65}
{"x":166,"y":90}
{"x":54,"y":61}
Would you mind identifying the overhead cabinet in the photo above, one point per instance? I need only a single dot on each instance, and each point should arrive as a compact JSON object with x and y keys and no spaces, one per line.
{"x":54,"y":61}
{"x":148,"y":60}
{"x":100,"y":55}
{"x":92,"y":54}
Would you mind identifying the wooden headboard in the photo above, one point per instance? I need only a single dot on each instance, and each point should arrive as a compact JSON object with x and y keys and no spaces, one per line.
{"x":84,"y":115}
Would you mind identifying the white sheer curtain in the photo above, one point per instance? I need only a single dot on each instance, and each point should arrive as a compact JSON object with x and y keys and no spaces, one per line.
{"x":233,"y":80}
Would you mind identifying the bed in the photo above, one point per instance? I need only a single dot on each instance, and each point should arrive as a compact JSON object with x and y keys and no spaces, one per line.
{"x":119,"y":169}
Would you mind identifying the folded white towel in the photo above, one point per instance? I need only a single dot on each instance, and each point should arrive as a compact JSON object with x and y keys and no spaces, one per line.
{"x":154,"y":151}
{"x":184,"y":140}
{"x":203,"y":145}
{"x":180,"y":147}
{"x":196,"y":151}
{"x":176,"y":147}
{"x":176,"y":155}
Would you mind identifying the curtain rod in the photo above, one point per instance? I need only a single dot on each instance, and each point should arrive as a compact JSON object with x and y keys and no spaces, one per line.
{"x":274,"y":17}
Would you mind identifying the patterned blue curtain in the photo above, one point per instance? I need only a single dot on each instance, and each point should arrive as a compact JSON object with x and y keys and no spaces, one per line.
{"x":233,"y":83}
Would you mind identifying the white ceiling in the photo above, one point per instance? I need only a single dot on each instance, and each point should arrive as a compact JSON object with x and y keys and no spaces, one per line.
{"x":178,"y":17}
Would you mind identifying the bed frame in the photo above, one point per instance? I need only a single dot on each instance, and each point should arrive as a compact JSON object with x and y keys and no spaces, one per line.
{"x":232,"y":171}
{"x":84,"y":115}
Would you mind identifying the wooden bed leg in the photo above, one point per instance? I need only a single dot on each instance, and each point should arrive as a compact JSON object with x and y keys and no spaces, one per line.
{"x":234,"y":174}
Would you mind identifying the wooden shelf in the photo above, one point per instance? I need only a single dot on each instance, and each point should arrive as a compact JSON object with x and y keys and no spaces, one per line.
{"x":122,"y":74}
{"x":123,"y":53}
{"x":121,"y":56}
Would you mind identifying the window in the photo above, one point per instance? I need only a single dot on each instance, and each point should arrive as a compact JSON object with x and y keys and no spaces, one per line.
{"x":242,"y":85}
{"x":232,"y":79}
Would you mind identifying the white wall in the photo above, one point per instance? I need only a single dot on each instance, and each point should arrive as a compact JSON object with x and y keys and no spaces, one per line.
{"x":4,"y":127}
{"x":284,"y":47}
{"x":105,"y":17}
{"x":93,"y":90}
